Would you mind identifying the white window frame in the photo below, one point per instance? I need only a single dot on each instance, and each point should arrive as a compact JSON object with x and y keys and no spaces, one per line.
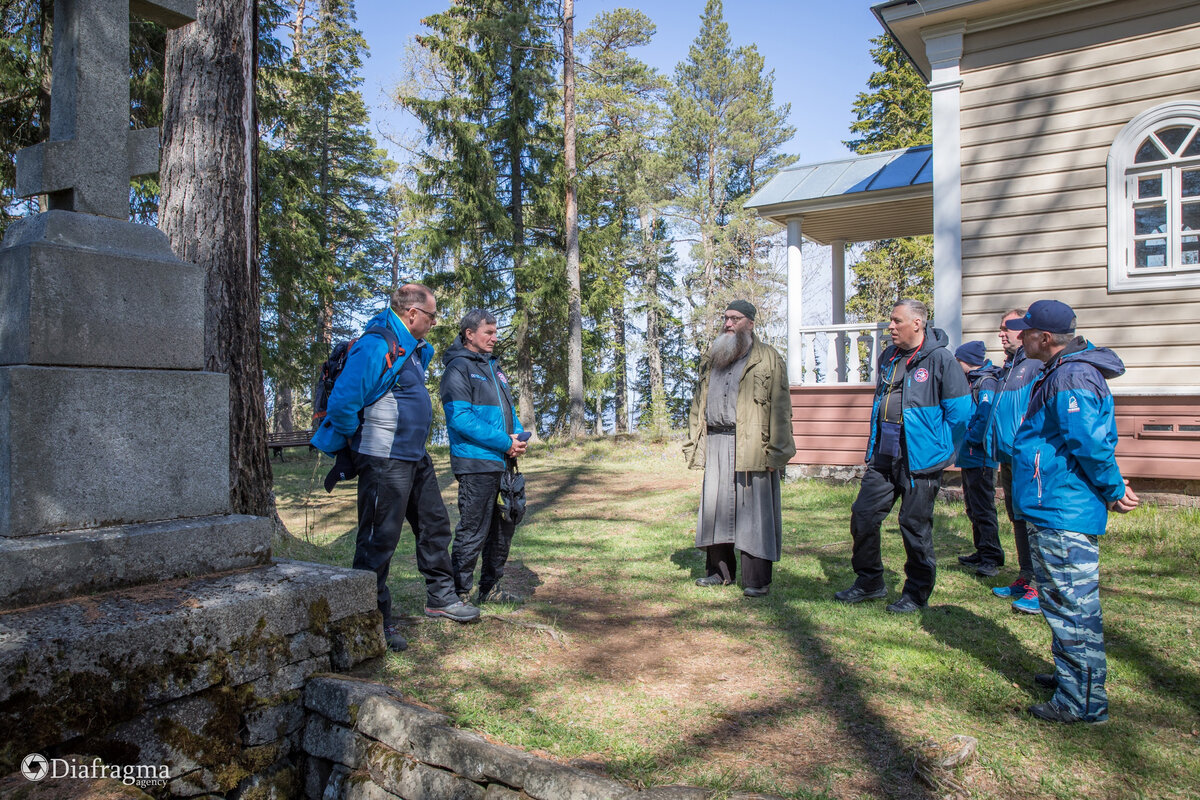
{"x":1122,"y":195}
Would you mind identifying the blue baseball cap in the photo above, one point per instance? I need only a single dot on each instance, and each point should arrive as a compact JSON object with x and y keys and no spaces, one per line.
{"x":1050,"y":316}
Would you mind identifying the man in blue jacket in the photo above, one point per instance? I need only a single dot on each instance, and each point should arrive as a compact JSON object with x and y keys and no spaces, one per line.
{"x":922,"y":405}
{"x":978,"y":470}
{"x":1065,"y":481}
{"x":382,"y":411}
{"x":482,"y":423}
{"x":1007,"y":410}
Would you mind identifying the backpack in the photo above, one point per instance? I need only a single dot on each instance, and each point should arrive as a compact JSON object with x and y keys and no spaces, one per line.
{"x":333,"y":366}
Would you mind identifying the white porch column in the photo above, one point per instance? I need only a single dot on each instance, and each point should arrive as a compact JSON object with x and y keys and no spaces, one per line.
{"x":944,"y":48}
{"x":795,"y":306}
{"x":837,"y":265}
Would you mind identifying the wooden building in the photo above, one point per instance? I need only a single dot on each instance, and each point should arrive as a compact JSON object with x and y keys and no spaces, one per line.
{"x":1065,"y":164}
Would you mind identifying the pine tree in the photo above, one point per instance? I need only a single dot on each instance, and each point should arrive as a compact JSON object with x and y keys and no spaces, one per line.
{"x":209,"y":216}
{"x":324,"y":238}
{"x":725,"y":138}
{"x":895,"y":113}
{"x":622,"y":113}
{"x":487,"y":179}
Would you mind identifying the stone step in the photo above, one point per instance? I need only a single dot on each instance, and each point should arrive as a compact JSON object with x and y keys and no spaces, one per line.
{"x":79,"y":667}
{"x":54,"y":566}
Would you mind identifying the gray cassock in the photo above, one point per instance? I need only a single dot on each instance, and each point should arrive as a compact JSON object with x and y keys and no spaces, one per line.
{"x":742,"y":508}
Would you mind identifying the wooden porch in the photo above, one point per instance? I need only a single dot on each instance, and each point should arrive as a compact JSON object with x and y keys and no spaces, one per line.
{"x":1159,"y":436}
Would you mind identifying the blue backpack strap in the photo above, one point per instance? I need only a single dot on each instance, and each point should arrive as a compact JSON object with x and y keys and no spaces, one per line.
{"x":395,"y":354}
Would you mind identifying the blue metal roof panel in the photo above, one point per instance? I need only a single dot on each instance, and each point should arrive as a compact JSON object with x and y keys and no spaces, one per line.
{"x":892,"y":169}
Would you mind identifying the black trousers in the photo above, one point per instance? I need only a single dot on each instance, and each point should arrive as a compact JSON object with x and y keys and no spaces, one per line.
{"x":979,"y":496}
{"x":480,"y":529}
{"x":389,"y":492}
{"x":884,"y":481}
{"x":721,"y":559}
{"x":1020,"y":530}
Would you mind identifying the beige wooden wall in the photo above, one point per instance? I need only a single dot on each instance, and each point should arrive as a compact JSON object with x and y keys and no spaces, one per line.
{"x":1042,"y":102}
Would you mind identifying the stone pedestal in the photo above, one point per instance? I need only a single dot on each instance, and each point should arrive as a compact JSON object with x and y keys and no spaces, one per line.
{"x":204,"y":676}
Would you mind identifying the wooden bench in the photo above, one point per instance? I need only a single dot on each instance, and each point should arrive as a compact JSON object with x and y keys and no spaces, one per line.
{"x":278,"y":441}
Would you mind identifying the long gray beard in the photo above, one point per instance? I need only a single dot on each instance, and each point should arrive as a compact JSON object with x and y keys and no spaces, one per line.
{"x":728,"y":348}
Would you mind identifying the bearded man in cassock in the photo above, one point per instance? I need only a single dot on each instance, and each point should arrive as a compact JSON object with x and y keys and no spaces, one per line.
{"x":740,"y":434}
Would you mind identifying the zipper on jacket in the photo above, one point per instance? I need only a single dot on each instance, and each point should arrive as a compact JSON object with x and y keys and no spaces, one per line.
{"x":499,"y":399}
{"x":1037,"y":473}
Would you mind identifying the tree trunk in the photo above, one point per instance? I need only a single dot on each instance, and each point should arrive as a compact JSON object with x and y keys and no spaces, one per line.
{"x":658,"y":393}
{"x":285,"y":409}
{"x":620,"y":368}
{"x":574,"y":301}
{"x":209,"y":212}
{"x":520,"y":306}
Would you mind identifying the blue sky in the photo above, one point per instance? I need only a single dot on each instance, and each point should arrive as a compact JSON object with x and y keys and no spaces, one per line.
{"x":817,"y":49}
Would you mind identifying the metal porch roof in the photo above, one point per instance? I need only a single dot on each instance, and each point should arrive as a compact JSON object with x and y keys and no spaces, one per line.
{"x":862,"y":198}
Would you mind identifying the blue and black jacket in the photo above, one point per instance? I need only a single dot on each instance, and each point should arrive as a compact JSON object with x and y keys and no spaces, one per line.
{"x":1008,"y":405}
{"x":480,"y":414}
{"x":377,"y":411}
{"x":936,"y":403}
{"x":1064,"y":458}
{"x":984,"y":381}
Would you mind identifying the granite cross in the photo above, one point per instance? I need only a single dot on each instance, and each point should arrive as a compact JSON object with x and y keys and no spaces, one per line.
{"x":91,"y":152}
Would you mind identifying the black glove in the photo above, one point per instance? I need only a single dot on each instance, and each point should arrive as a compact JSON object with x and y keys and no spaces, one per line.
{"x":343,"y":469}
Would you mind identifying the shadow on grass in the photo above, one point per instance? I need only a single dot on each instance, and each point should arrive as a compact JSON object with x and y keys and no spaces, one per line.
{"x":982,"y":639}
{"x":1173,"y":682}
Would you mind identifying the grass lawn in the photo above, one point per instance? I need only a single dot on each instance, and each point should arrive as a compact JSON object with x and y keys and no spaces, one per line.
{"x":657,"y":681}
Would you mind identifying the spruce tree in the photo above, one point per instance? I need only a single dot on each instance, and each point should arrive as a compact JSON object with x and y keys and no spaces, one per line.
{"x":486,"y":179}
{"x":324,"y":244}
{"x":894,"y":113}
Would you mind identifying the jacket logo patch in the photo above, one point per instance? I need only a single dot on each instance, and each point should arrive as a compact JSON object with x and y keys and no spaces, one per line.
{"x":479,"y":377}
{"x":503,"y":378}
{"x":1072,"y":404}
{"x":921,"y":375}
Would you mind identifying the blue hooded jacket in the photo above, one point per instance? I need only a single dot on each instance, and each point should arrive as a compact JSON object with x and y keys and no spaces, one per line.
{"x":984,"y":381}
{"x":362,"y":385}
{"x":936,"y":402}
{"x":477,"y":400}
{"x":1008,"y":405}
{"x":1064,"y":459}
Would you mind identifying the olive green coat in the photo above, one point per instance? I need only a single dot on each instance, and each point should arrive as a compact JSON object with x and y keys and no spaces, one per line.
{"x":763,"y":438}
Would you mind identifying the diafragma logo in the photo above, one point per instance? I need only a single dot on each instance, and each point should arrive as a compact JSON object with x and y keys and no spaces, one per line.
{"x":36,"y":767}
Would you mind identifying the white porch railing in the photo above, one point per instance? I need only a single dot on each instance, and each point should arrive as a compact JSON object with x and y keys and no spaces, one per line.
{"x":846,"y":353}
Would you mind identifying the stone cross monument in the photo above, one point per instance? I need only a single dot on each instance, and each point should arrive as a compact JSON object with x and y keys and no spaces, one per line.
{"x":113,"y":440}
{"x":114,"y":473}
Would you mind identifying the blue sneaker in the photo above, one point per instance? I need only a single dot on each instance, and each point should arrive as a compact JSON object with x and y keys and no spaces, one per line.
{"x":1015,"y":589}
{"x":1028,"y":602}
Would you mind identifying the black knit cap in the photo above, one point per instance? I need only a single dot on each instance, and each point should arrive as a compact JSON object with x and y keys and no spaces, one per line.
{"x":744,"y":307}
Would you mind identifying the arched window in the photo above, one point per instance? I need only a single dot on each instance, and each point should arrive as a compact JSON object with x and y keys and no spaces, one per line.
{"x":1154,"y":200}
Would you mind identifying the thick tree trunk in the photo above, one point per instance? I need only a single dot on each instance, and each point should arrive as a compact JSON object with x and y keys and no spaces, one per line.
{"x":209,"y":212}
{"x":574,"y":294}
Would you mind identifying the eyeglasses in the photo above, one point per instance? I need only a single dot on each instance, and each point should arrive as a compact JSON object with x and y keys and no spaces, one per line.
{"x":432,"y":316}
{"x":734,"y":318}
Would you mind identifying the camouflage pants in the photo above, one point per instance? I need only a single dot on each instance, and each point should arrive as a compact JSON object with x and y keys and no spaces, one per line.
{"x":1067,"y":568}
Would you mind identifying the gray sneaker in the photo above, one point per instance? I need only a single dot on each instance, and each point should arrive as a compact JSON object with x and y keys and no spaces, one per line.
{"x":459,"y":612}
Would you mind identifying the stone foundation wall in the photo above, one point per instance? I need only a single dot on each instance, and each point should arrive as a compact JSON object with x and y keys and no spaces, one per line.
{"x":363,"y":741}
{"x":204,"y":676}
